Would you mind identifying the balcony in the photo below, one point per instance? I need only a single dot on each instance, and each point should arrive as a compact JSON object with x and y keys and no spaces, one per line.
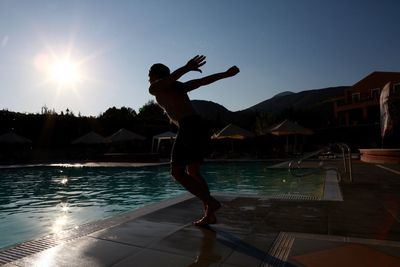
{"x":345,"y":104}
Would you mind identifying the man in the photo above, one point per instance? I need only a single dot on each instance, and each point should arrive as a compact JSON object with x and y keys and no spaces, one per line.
{"x":192,"y":138}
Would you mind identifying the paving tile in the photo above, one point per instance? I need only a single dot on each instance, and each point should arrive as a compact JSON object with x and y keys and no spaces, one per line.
{"x":139,"y":232}
{"x":346,"y":255}
{"x":303,"y":246}
{"x":388,"y":250}
{"x":322,"y":250}
{"x":234,"y":228}
{"x":154,"y":258}
{"x":251,"y":250}
{"x":178,"y":215}
{"x":227,"y":265}
{"x":181,"y":213}
{"x":85,"y":251}
{"x":196,"y":242}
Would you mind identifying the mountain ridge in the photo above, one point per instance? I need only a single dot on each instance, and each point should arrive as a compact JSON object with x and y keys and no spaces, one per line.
{"x":305,"y":100}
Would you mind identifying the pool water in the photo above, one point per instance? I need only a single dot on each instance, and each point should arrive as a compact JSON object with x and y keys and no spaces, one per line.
{"x":41,"y":200}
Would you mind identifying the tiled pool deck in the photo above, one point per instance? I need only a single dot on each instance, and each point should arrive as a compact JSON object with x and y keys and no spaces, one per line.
{"x":361,"y":230}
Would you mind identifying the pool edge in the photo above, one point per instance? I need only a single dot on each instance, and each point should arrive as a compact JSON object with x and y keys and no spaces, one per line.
{"x":30,"y":247}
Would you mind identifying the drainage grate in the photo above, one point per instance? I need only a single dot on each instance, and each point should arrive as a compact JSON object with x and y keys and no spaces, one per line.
{"x":280,"y":250}
{"x":295,"y":197}
{"x":27,"y":249}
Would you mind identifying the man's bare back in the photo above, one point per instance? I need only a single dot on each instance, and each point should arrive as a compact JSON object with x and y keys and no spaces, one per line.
{"x":175,"y":101}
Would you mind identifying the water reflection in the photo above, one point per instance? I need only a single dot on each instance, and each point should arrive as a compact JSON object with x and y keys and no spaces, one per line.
{"x":48,"y":257}
{"x":61,"y":221}
{"x":207,"y":254}
{"x":64,"y":207}
{"x":64,"y":180}
{"x":59,"y":224}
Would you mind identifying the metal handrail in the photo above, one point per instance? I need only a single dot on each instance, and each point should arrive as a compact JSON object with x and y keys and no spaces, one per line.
{"x":347,"y":164}
{"x":347,"y":152}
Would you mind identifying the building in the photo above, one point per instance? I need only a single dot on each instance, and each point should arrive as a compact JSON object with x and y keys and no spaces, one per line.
{"x":360,"y":104}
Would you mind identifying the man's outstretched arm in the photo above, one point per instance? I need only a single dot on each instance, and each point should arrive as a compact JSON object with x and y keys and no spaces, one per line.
{"x":196,"y":83}
{"x":193,"y":64}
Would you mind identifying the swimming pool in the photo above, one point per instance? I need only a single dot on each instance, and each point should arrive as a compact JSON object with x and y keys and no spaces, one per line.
{"x":41,"y":200}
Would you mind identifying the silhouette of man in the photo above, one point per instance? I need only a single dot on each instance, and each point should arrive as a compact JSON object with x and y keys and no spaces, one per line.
{"x":188,"y":150}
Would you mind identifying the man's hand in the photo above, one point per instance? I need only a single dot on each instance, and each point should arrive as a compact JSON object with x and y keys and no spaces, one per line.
{"x":232,"y":71}
{"x":195,"y":63}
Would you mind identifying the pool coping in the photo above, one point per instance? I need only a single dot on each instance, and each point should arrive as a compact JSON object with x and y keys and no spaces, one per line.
{"x":332,"y":191}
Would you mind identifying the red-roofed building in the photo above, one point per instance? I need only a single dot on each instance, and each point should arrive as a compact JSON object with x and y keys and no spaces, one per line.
{"x":360,"y":104}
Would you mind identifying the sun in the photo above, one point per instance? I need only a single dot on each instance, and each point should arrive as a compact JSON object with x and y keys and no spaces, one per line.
{"x":64,"y":72}
{"x":60,"y":70}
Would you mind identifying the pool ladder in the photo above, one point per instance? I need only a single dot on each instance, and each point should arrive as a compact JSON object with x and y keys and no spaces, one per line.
{"x":346,"y":155}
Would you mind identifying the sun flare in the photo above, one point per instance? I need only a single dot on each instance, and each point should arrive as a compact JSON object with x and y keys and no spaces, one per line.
{"x":64,"y":72}
{"x":61,"y":70}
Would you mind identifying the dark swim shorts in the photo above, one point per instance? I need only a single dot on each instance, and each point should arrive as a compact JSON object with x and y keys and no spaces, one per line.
{"x":191,"y":142}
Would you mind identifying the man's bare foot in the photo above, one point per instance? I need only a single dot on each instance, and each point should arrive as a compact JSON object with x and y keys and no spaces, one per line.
{"x":209,"y":217}
{"x":213,"y":206}
{"x":206,"y":220}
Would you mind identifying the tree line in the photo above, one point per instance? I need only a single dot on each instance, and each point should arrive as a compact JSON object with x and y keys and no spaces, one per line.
{"x":50,"y":129}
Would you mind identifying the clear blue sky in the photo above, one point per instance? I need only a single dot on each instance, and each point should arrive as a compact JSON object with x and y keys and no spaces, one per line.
{"x":279,"y":45}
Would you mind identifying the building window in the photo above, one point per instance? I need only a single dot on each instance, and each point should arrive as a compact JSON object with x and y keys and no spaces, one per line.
{"x":375,"y":93}
{"x":396,"y":89}
{"x":355,"y":97}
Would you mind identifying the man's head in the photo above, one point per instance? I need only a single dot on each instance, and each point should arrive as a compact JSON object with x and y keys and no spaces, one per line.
{"x":158,"y":71}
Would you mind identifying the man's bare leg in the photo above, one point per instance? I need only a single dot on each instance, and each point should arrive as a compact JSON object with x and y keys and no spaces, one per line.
{"x":212,"y":205}
{"x":189,"y":183}
{"x":193,"y":170}
{"x":199,"y":189}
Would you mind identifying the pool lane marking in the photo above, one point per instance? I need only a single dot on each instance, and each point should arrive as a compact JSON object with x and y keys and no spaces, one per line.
{"x":388,"y":169}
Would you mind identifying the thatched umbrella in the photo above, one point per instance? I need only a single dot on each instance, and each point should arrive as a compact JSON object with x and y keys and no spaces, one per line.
{"x":13,"y":139}
{"x":287,"y":128}
{"x":13,"y":146}
{"x":124,"y":135}
{"x":90,"y":138}
{"x":232,"y":131}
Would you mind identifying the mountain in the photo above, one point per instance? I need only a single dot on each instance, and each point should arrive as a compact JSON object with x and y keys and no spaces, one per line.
{"x":212,"y":111}
{"x":302,"y":100}
{"x":318,"y":100}
{"x":283,"y":94}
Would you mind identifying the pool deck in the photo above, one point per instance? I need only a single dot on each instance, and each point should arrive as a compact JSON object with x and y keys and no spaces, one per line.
{"x":361,"y":230}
